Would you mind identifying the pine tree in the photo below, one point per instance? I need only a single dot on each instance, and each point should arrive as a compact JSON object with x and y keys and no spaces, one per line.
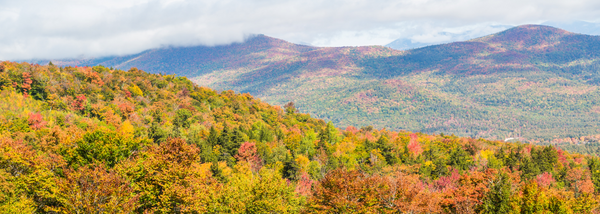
{"x":498,"y":198}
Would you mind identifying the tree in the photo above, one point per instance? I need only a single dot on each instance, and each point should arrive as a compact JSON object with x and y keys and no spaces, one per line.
{"x":594,"y":168}
{"x":94,"y":189}
{"x":386,"y":149}
{"x":168,"y":178}
{"x":182,"y":118}
{"x":534,"y":200}
{"x":107,"y":148}
{"x":460,"y":159}
{"x":248,"y":153}
{"x":498,"y":199}
{"x":290,"y":108}
{"x":328,"y":136}
{"x":343,"y":191}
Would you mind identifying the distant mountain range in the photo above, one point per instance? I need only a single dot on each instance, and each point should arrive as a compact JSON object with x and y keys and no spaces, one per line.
{"x":407,"y":43}
{"x":531,"y":81}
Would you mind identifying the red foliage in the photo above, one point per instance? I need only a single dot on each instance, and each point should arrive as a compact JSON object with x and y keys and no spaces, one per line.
{"x":94,"y":189}
{"x":448,"y":182}
{"x":351,"y":129}
{"x":26,"y":86}
{"x":468,"y":192}
{"x":304,"y":185}
{"x":414,"y":147}
{"x":36,"y":121}
{"x":126,"y":108}
{"x":79,"y":103}
{"x":580,"y":180}
{"x":414,"y":196}
{"x":369,"y":136}
{"x":545,"y":179}
{"x":561,"y":156}
{"x":247,"y":152}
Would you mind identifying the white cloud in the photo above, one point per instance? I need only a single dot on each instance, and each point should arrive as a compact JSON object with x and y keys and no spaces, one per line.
{"x":71,"y":28}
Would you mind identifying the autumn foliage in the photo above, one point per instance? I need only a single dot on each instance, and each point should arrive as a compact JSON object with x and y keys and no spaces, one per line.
{"x":131,"y":142}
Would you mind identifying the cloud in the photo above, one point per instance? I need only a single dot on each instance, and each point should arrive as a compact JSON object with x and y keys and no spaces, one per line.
{"x":74,"y":28}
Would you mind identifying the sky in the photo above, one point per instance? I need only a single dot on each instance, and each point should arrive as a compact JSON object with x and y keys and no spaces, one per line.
{"x":42,"y":29}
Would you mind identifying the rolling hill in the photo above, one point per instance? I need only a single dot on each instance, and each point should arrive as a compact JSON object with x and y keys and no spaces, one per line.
{"x":101,"y":140}
{"x":531,"y":82}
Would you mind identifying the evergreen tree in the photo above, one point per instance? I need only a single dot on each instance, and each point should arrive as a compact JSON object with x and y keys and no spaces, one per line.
{"x":498,"y":199}
{"x":460,"y":159}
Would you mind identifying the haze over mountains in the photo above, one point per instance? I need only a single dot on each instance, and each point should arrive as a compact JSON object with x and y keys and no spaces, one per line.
{"x":455,"y":35}
{"x":532,"y":81}
{"x":445,"y":36}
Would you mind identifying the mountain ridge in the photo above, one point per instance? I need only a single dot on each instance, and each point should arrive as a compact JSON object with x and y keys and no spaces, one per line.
{"x":496,"y":86}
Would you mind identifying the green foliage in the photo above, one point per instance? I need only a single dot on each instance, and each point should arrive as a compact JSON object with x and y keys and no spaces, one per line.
{"x":180,"y":148}
{"x":498,"y":199}
{"x":460,"y":159}
{"x":328,"y":136}
{"x":108,"y":148}
{"x":594,"y":167}
{"x":182,"y":118}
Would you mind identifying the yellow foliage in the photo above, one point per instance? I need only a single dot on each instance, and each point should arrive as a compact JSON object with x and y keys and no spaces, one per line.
{"x":345,"y":147}
{"x":429,"y":163}
{"x":226,"y":170}
{"x":126,"y":128}
{"x":202,"y":170}
{"x":376,"y":157}
{"x":20,"y":205}
{"x":293,"y":141}
{"x":303,"y":161}
{"x":485,"y":154}
{"x":135,"y":90}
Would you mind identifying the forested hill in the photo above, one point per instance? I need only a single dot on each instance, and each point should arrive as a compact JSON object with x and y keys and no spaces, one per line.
{"x":257,"y":51}
{"x":532,"y":82}
{"x":101,"y":140}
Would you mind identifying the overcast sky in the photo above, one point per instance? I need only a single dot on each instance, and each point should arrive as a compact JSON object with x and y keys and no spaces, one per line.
{"x":90,"y":28}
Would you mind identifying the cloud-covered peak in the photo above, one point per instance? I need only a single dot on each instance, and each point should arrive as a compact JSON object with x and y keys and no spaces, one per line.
{"x":70,"y":28}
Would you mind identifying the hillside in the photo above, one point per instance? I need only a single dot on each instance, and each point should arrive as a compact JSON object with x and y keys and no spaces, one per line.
{"x":530,"y":82}
{"x":256,"y":52}
{"x":101,"y":140}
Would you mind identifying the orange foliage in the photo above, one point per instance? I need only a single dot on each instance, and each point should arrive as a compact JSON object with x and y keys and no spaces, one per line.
{"x":94,"y":189}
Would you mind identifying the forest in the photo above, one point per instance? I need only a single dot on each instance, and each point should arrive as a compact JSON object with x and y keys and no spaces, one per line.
{"x":104,"y":140}
{"x":532,"y":82}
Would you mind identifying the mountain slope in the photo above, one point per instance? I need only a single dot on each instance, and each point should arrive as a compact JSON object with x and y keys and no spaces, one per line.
{"x":98,"y":140}
{"x":532,"y":81}
{"x":254,"y":53}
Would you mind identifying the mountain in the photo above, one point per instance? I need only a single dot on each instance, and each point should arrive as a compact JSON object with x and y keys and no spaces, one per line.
{"x":445,"y":37}
{"x":407,"y":44}
{"x":255,"y":52}
{"x":101,"y":140}
{"x":529,"y":82}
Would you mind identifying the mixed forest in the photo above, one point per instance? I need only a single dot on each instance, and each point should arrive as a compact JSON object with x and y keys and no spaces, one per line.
{"x":104,"y":140}
{"x":533,"y":83}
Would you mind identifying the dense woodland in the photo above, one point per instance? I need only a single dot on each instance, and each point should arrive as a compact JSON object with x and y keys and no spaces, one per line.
{"x":102,"y":140}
